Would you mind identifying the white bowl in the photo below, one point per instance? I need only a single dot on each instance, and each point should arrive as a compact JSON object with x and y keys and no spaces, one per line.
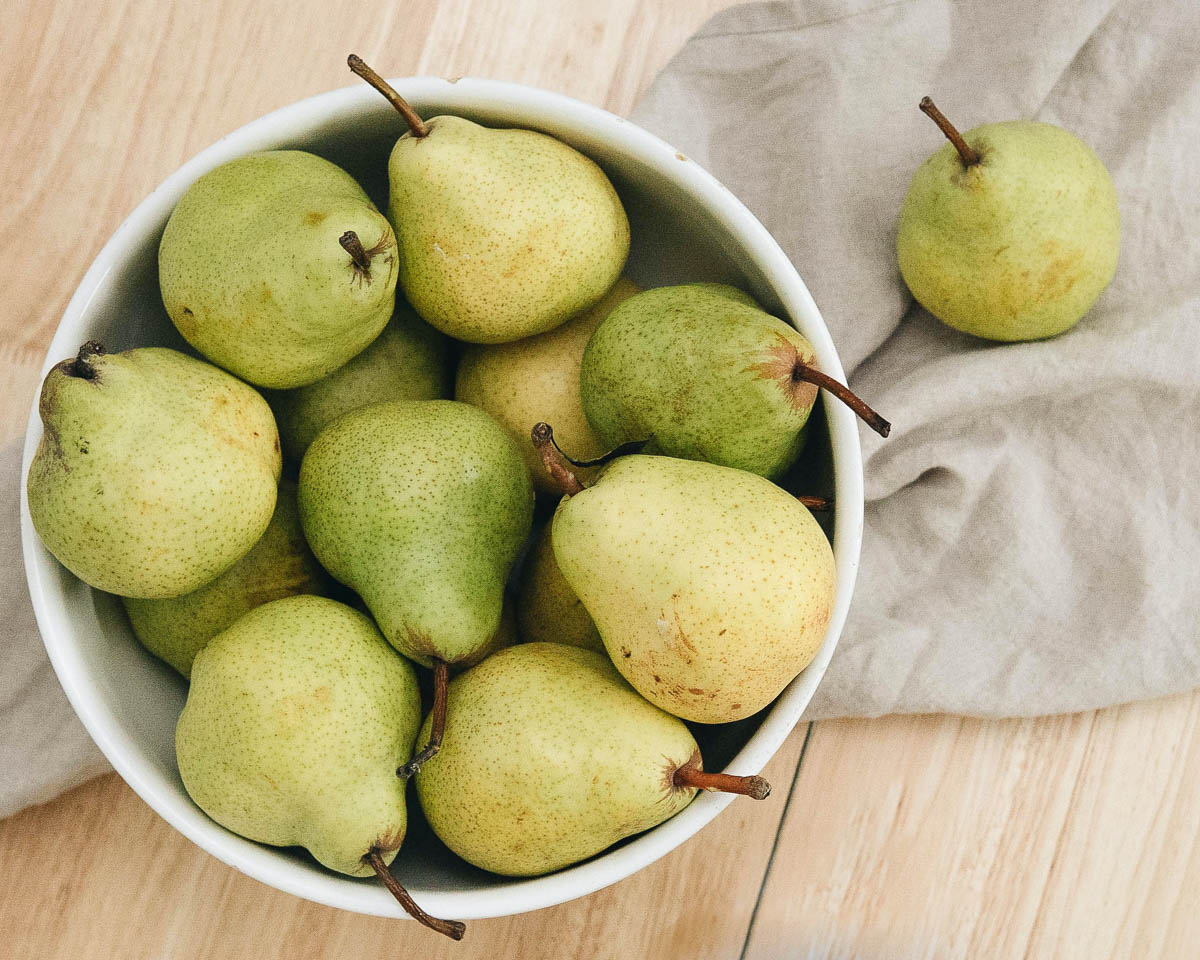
{"x":686,"y":226}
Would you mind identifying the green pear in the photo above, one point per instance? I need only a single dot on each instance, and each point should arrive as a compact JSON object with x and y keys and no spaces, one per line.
{"x":505,"y":636}
{"x":296,"y":720}
{"x":551,"y":757}
{"x":705,"y":374}
{"x":175,"y":629}
{"x":277,"y":267}
{"x":408,"y":361}
{"x":155,"y":473}
{"x":503,"y":233}
{"x":711,"y":587}
{"x":421,"y":507}
{"x":537,"y":379}
{"x":1010,"y":231}
{"x":547,"y":608}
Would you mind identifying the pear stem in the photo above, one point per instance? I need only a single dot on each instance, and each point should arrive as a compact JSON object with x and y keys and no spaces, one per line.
{"x":816,"y":503}
{"x":929,"y":108}
{"x":802,"y":371}
{"x":441,"y":683}
{"x":690,"y":775}
{"x":542,"y":436}
{"x":82,"y":366}
{"x":418,"y":126}
{"x":353,"y":246}
{"x":454,"y":929}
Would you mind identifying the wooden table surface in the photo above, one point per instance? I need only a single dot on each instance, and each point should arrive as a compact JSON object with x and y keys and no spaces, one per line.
{"x":897,"y":838}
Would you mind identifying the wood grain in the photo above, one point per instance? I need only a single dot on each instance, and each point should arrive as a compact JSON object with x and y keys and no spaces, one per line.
{"x":916,"y":837}
{"x":944,"y":837}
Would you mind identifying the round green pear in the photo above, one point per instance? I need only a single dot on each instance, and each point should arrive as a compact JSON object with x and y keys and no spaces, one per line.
{"x":551,"y":757}
{"x":1010,"y":231}
{"x":702,"y":372}
{"x":547,"y":608}
{"x":504,"y":233}
{"x":277,"y":267}
{"x":711,"y":587}
{"x":408,"y":361}
{"x":421,"y":508}
{"x":537,"y":379}
{"x":156,"y":472}
{"x":296,"y":720}
{"x":280,"y":565}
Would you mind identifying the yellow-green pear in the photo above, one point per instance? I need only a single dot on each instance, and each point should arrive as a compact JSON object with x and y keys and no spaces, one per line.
{"x":547,"y":608}
{"x":156,"y":472}
{"x":503,"y":233}
{"x":551,"y":757}
{"x":277,"y":267}
{"x":537,"y":379}
{"x":702,"y":371}
{"x":280,"y":565}
{"x":1010,"y":231}
{"x":296,"y":720}
{"x":408,"y":361}
{"x":711,"y":587}
{"x":505,"y":636}
{"x":421,"y":507}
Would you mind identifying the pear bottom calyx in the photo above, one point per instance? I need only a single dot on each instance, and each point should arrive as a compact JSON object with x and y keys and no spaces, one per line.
{"x":454,"y":929}
{"x":441,"y":681}
{"x":690,"y":775}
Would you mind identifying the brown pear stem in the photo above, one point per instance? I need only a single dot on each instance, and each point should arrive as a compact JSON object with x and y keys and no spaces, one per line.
{"x":816,"y":503}
{"x":802,"y":371}
{"x":454,"y":929}
{"x":692,"y":776}
{"x":542,"y":436}
{"x":418,"y":126}
{"x":353,"y":246}
{"x":82,"y":366}
{"x":437,"y":728}
{"x":929,"y":108}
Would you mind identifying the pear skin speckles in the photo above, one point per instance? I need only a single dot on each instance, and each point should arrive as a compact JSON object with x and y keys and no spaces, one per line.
{"x":503,"y":233}
{"x":705,"y":372}
{"x":296,"y":720}
{"x":421,"y":507}
{"x":254,"y":275}
{"x":711,"y":587}
{"x":154,"y":477}
{"x":549,"y":758}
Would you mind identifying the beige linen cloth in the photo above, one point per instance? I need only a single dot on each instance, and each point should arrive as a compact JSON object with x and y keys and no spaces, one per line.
{"x":1033,"y":523}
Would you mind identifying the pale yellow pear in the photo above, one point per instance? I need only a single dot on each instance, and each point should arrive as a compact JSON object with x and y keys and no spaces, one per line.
{"x":537,"y":379}
{"x":711,"y":587}
{"x":503,"y":233}
{"x":547,"y":608}
{"x":550,"y":757}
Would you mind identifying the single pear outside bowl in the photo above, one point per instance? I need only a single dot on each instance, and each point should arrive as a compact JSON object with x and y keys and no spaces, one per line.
{"x":1016,"y":246}
{"x":686,"y":227}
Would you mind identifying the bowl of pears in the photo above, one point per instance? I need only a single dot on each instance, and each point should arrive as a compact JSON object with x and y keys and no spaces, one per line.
{"x":442,"y":499}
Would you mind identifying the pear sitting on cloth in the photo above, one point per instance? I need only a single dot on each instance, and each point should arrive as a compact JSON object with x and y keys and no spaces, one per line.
{"x":1010,"y":231}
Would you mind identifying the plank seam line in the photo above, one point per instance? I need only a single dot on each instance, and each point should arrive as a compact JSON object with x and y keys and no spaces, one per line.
{"x":775,"y":843}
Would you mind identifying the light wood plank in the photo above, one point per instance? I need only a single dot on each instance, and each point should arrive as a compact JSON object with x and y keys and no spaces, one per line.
{"x":944,"y":837}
